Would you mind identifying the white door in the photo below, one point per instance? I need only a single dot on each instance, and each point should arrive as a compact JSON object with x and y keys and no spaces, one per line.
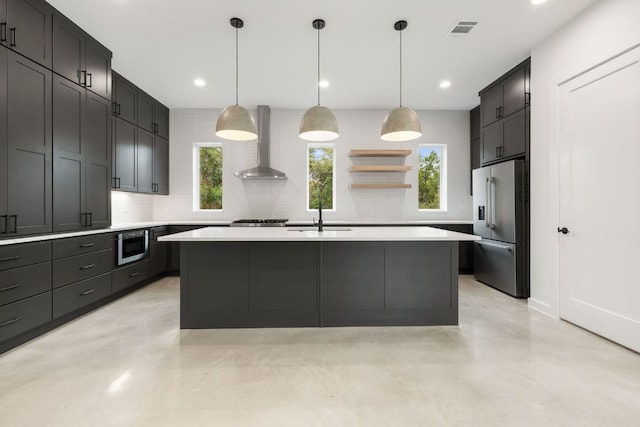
{"x":599,"y":140}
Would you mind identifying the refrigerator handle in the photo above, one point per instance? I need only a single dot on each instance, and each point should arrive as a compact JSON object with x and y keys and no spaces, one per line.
{"x":487,"y":216}
{"x":492,"y":203}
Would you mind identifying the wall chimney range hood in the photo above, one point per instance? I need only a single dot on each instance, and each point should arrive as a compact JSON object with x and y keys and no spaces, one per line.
{"x":263,"y":170}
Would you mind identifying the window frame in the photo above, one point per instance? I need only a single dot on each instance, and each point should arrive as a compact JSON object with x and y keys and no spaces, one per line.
{"x":443,"y":178}
{"x":196,"y":174}
{"x":311,"y":145}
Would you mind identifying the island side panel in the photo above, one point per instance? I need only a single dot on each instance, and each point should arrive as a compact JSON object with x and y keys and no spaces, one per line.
{"x":249,"y":284}
{"x":390,"y":283}
{"x":214,"y":285}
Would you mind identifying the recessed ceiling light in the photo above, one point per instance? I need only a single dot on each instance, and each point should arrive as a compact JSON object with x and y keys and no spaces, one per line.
{"x":323,"y":83}
{"x":445,"y":84}
{"x":538,"y":1}
{"x":199,"y":82}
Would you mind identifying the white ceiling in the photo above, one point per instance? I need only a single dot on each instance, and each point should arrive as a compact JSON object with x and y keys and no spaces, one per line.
{"x":163,"y":45}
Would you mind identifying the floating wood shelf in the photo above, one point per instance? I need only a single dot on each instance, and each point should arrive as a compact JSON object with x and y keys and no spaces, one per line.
{"x":379,"y":168}
{"x":379,"y":186}
{"x":379,"y":153}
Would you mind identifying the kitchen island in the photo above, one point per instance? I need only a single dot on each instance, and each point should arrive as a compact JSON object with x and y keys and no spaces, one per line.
{"x":291,"y":277}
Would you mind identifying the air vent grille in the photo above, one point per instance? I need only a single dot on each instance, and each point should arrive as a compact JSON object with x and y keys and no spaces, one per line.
{"x":462,"y":28}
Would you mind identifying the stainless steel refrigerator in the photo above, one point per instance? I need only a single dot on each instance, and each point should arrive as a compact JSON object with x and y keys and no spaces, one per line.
{"x":500,"y":217}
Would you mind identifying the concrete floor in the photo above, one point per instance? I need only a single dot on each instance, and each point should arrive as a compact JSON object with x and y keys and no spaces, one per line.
{"x":128,"y":364}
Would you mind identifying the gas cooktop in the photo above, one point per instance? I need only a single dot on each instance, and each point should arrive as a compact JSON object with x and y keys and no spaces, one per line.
{"x":259,"y":222}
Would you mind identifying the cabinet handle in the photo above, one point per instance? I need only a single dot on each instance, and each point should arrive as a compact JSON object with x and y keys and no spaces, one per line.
{"x":90,"y":79}
{"x":119,"y":111}
{"x":83,"y":82}
{"x":8,"y":288}
{"x":4,"y":218}
{"x":134,"y":274}
{"x":12,"y":33}
{"x":89,"y":292}
{"x":3,"y":32}
{"x":118,"y":182}
{"x":87,"y":245}
{"x":11,"y":258}
{"x":114,"y":108}
{"x":10,"y":322}
{"x":90,"y":219}
{"x":527,"y":98}
{"x":15,"y":224}
{"x":87,"y":267}
{"x":497,"y":112}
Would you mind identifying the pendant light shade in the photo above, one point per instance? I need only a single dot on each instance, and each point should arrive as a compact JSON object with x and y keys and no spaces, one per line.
{"x":235,"y":122}
{"x":401,"y":124}
{"x":318,"y":122}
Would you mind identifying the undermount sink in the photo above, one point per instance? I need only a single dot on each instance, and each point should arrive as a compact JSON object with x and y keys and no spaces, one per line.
{"x":300,"y":229}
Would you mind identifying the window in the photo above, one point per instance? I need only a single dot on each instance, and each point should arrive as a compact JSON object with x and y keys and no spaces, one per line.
{"x":320,"y":168}
{"x":207,"y":176}
{"x":432,"y":194}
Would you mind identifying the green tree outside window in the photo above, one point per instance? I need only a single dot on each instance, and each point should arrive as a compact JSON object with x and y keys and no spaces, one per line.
{"x":429,"y":168}
{"x":320,"y":177}
{"x":210,"y":177}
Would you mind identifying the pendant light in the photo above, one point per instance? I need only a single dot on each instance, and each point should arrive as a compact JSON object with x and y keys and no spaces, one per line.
{"x":235,"y":122}
{"x":318,"y":122}
{"x":401,"y":124}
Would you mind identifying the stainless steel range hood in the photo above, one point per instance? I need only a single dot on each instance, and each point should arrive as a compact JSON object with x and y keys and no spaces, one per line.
{"x":263,"y":170}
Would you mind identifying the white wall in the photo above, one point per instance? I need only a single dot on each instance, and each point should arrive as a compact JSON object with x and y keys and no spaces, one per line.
{"x":130,"y":207}
{"x":603,"y":30}
{"x":286,"y":199}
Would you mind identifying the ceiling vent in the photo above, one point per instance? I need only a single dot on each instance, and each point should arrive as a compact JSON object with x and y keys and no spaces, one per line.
{"x":462,"y":28}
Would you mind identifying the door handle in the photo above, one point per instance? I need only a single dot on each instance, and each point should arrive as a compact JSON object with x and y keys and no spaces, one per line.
{"x":563,"y":230}
{"x":3,"y":32}
{"x":493,"y":245}
{"x":90,"y":79}
{"x":492,"y":203}
{"x":12,"y":36}
{"x":487,"y":215}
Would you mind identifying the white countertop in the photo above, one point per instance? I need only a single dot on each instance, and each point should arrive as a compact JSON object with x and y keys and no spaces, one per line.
{"x":291,"y":234}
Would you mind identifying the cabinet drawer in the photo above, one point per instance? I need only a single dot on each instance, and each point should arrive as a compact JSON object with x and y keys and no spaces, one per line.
{"x":24,"y":282}
{"x":69,"y":270}
{"x":130,"y":275}
{"x":64,"y":248}
{"x":24,"y":315}
{"x":13,"y":256}
{"x":72,"y":297}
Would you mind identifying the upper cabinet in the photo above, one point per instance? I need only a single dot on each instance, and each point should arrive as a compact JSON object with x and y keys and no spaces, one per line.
{"x":80,"y":58}
{"x":25,"y":146}
{"x":504,"y":116}
{"x":125,"y":96}
{"x":141,"y":146}
{"x":152,"y":115}
{"x":25,"y":27}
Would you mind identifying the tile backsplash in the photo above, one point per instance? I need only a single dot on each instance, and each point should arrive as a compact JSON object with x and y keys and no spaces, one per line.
{"x":359,"y":129}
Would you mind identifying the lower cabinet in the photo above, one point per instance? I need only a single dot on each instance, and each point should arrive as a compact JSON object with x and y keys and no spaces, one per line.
{"x":130,"y":275}
{"x":24,"y":315}
{"x":72,"y":297}
{"x":158,"y":251}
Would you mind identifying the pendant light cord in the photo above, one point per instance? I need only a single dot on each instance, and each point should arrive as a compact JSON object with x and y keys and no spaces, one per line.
{"x":236,"y":66}
{"x":318,"y":82}
{"x":400,"y":67}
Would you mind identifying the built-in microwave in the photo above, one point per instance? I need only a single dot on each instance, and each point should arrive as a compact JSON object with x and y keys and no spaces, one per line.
{"x":132,"y":246}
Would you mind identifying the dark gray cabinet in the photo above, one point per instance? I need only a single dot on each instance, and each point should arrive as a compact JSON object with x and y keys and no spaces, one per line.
{"x":160,"y":166}
{"x":129,"y":275}
{"x":124,"y":155}
{"x":475,"y":145}
{"x":151,"y":146}
{"x":80,"y":58}
{"x":25,"y":146}
{"x":124,"y":97}
{"x":504,"y":116}
{"x":506,"y":138}
{"x":25,"y":27}
{"x":144,"y":161}
{"x":82,"y":158}
{"x":159,"y":252}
